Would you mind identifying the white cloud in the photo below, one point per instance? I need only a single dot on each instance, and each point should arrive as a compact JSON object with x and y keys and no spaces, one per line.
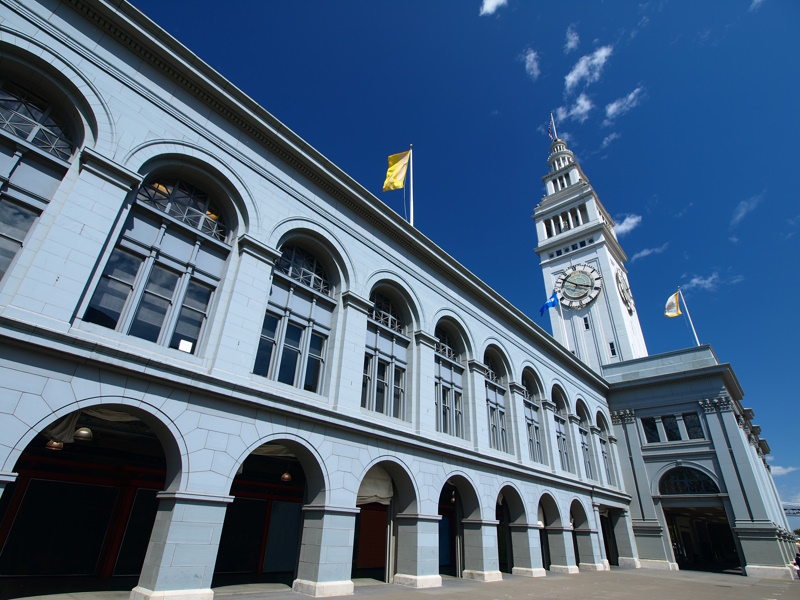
{"x":733,"y":239}
{"x":755,"y":5}
{"x":622,"y":105}
{"x":608,"y":139}
{"x":778,"y":471}
{"x":649,"y":251}
{"x":745,"y":207}
{"x":643,"y":22}
{"x":708,"y":284}
{"x":629,"y":223}
{"x":682,"y":212}
{"x":573,"y":40}
{"x":531,"y":58}
{"x":578,"y":111}
{"x":489,"y":7}
{"x":588,"y":68}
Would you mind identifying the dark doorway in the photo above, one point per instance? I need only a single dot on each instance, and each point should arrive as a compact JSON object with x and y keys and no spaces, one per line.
{"x":609,"y":540}
{"x":79,"y":516}
{"x":504,"y":546}
{"x":702,"y":539}
{"x":450,"y":532}
{"x":371,"y":536}
{"x":260,"y":540}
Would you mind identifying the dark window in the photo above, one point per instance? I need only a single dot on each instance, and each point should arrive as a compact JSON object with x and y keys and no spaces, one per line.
{"x":15,"y":222}
{"x":27,"y":116}
{"x":684,"y":480}
{"x":693,"y":427}
{"x":671,"y":428}
{"x":650,"y":430}
{"x":449,"y":387}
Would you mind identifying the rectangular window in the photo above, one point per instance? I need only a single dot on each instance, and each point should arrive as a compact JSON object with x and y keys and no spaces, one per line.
{"x":290,"y":354}
{"x":191,"y":317}
{"x":459,"y":415}
{"x":114,"y":289}
{"x":670,"y":423}
{"x":612,"y":348}
{"x":693,"y":427}
{"x":155,"y":303}
{"x":586,"y":323}
{"x":366,"y":387}
{"x":266,"y":345}
{"x":316,"y":352}
{"x":15,"y":222}
{"x":650,"y":430}
{"x":381,"y":386}
{"x":445,"y":404}
{"x":604,"y":451}
{"x":398,"y":398}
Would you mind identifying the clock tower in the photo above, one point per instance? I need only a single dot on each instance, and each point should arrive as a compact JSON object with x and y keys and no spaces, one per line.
{"x":584,"y":264}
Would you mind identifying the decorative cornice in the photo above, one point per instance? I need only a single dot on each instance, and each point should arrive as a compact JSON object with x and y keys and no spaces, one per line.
{"x":723,"y":403}
{"x":623,"y":416}
{"x":709,"y":406}
{"x":423,"y":338}
{"x":478,"y":367}
{"x":108,"y":170}
{"x":517,"y":389}
{"x":595,"y":429}
{"x":574,"y":419}
{"x":548,"y":405}
{"x":351,"y":300}
{"x":250,"y":245}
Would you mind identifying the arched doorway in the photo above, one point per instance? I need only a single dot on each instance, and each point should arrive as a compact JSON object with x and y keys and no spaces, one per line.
{"x":457,"y":502}
{"x":80,"y":514}
{"x":385,"y":492}
{"x":697,"y":521}
{"x":582,"y":538}
{"x":511,"y":528}
{"x":263,"y":526}
{"x":551,"y":533}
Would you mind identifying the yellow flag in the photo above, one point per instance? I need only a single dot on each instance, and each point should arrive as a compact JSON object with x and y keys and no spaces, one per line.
{"x":396,"y":175}
{"x":673,"y":308}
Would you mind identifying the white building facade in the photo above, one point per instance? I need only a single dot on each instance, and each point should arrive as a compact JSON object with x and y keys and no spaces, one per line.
{"x":225,"y":361}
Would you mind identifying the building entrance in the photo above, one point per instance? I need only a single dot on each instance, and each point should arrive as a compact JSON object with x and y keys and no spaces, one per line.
{"x":702,"y":539}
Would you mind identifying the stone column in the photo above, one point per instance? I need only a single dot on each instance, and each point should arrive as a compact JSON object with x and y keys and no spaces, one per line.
{"x":480,"y":550}
{"x":418,"y":550}
{"x":574,"y":442}
{"x":600,"y":541}
{"x":182,"y":552}
{"x":349,"y":353}
{"x":476,"y":372}
{"x":422,"y":396}
{"x":6,"y":479}
{"x":626,"y":543}
{"x":549,"y":425}
{"x":589,"y":550}
{"x":562,"y":554}
{"x":527,"y":550}
{"x":326,"y":551}
{"x":517,"y":426}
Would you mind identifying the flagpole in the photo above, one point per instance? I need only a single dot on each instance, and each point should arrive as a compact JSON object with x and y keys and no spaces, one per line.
{"x":688,"y":314}
{"x":552,"y":120}
{"x":411,"y":179}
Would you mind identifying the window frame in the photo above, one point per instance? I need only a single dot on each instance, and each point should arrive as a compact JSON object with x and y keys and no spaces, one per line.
{"x":448,"y":394}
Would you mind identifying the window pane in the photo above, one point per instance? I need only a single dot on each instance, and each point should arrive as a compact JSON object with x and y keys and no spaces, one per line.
{"x":190,"y":321}
{"x":314,"y":363}
{"x":8,"y":250}
{"x":113,"y":290}
{"x":154,"y":305}
{"x":693,"y":427}
{"x":445,"y":410}
{"x":290,"y":355}
{"x":459,"y":424}
{"x":15,"y":220}
{"x":382,"y":384}
{"x":650,"y":430}
{"x":671,"y":428}
{"x":266,"y":345}
{"x":397,"y":399}
{"x":366,"y":388}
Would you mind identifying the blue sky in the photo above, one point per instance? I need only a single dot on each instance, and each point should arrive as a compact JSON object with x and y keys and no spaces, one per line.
{"x":684,"y":116}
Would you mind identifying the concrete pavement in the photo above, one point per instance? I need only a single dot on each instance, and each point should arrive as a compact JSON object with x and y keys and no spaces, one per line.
{"x":618,"y":584}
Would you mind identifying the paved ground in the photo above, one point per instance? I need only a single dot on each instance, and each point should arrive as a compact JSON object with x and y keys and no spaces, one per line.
{"x":617,"y":585}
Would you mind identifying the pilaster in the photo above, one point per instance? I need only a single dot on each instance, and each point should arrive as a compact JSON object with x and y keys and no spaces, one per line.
{"x":418,"y":551}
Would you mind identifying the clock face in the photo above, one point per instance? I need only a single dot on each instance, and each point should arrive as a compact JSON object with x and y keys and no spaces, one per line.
{"x":625,"y":290}
{"x":578,"y":286}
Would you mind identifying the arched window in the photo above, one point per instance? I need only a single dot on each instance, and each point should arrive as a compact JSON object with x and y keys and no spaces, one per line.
{"x":449,"y":392}
{"x":562,"y":430}
{"x":298,"y":321}
{"x":386,"y":359}
{"x":532,"y":403}
{"x":32,"y":178}
{"x":586,"y":446}
{"x":159,"y":282}
{"x":186,"y":203}
{"x":496,"y":403}
{"x":33,"y":119}
{"x":685,"y":480}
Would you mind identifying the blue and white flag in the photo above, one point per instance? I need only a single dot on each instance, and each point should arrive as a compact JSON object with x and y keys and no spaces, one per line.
{"x":552,"y":302}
